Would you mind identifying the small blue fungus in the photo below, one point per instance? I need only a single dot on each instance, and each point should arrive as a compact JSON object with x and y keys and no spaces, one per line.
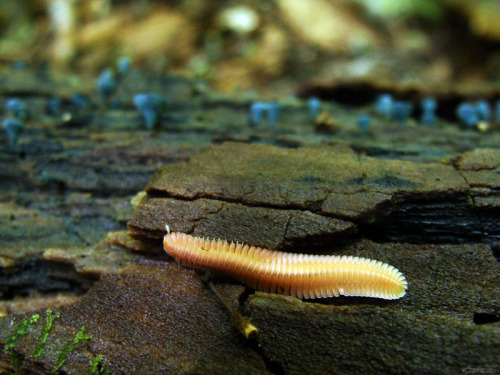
{"x":257,"y":110}
{"x":428,"y":118}
{"x":80,"y":101}
{"x":363,"y":122}
{"x":123,"y":65}
{"x":151,"y":107}
{"x":401,"y":111}
{"x":497,"y":111}
{"x":13,"y":127}
{"x":54,"y":106}
{"x":314,"y":105}
{"x":429,"y":106}
{"x":20,"y":65}
{"x":18,"y":108}
{"x":106,"y":84}
{"x":383,"y":105}
{"x":483,"y":110}
{"x":273,"y":112}
{"x":467,"y":114}
{"x":115,"y":103}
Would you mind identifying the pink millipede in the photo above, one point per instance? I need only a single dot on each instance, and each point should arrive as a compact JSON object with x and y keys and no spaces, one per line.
{"x":298,"y":275}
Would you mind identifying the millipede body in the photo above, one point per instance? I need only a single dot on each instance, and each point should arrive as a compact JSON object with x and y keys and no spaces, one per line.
{"x":298,"y":275}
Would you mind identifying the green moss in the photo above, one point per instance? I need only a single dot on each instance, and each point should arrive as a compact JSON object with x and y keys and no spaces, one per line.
{"x":44,"y":334}
{"x":20,"y":331}
{"x":81,"y":336}
{"x":96,"y":366}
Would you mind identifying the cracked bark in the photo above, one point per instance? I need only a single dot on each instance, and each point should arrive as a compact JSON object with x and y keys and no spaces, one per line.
{"x":78,"y":177}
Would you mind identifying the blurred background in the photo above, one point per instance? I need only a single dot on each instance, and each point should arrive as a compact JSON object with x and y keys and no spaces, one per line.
{"x":273,"y":47}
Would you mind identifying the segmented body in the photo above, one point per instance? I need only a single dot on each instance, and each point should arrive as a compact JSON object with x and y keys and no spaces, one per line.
{"x":298,"y":275}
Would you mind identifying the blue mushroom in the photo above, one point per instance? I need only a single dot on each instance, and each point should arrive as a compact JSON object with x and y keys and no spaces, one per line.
{"x":497,"y":111}
{"x":273,"y":112}
{"x":483,"y":110}
{"x":115,"y":103}
{"x":54,"y":106}
{"x":383,"y":105}
{"x":106,"y":84}
{"x":13,"y":127}
{"x":123,"y":65}
{"x":20,"y":65}
{"x":80,"y":101}
{"x":401,"y":111}
{"x":314,"y":105}
{"x":429,"y":106}
{"x":257,"y":110}
{"x":151,"y":107}
{"x":18,"y":108}
{"x":428,"y":118}
{"x":363,"y":122}
{"x":467,"y":114}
